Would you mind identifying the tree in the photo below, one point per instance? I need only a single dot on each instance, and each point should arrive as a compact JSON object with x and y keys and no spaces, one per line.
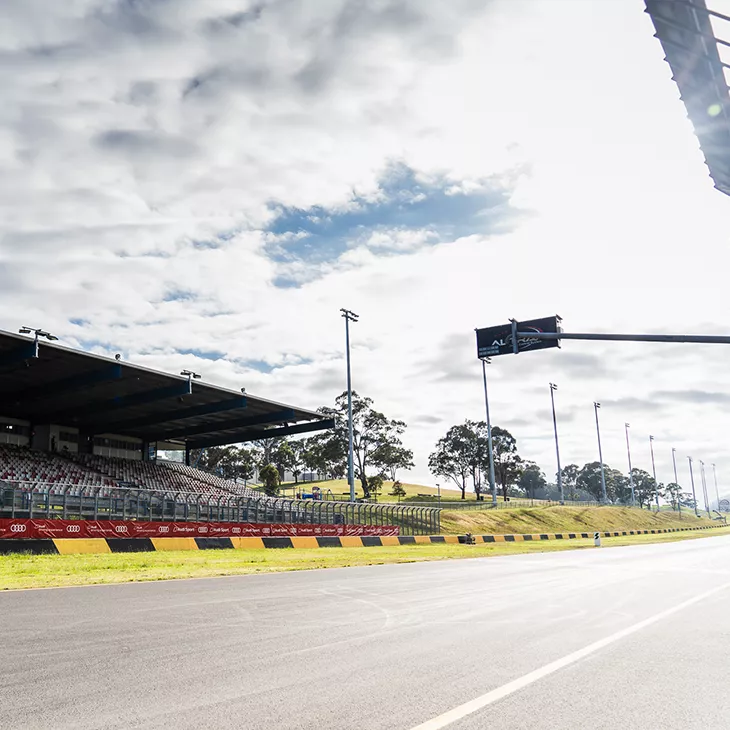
{"x":673,"y":493}
{"x":397,"y":490}
{"x":371,"y":431}
{"x":245,"y":466}
{"x":375,"y":485}
{"x":507,"y":462}
{"x":325,"y":454}
{"x":231,"y":462}
{"x":532,"y":480}
{"x":296,"y":458}
{"x":282,"y":457}
{"x":569,"y":476}
{"x":392,"y":456}
{"x":266,"y":449}
{"x":589,"y":479}
{"x":617,"y":486}
{"x":269,"y":476}
{"x":645,"y":488}
{"x":452,"y":458}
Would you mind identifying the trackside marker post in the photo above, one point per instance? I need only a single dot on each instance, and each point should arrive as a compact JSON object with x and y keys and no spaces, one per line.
{"x":597,"y":539}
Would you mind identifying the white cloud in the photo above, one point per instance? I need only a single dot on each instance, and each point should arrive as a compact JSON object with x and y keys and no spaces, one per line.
{"x":146,"y":146}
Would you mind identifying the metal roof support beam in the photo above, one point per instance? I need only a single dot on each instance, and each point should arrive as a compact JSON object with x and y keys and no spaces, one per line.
{"x":120,"y":403}
{"x":26,"y":351}
{"x":175,"y":416}
{"x":67,"y":385}
{"x":264,"y":433}
{"x":284,"y":415}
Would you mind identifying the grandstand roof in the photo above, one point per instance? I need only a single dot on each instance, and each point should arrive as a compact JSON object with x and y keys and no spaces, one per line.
{"x":695,"y":36}
{"x":103,"y":395}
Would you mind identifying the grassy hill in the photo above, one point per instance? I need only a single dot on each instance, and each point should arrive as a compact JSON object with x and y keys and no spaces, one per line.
{"x":340,"y":490}
{"x":562,"y":519}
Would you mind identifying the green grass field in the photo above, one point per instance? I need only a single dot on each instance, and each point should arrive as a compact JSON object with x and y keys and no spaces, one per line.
{"x":340,"y":490}
{"x":40,"y":571}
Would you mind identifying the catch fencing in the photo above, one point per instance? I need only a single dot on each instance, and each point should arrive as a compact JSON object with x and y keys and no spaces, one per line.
{"x":25,"y":500}
{"x":487,"y":504}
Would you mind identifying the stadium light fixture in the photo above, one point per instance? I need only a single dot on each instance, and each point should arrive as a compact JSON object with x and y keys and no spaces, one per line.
{"x":190,"y":376}
{"x":717,"y":491}
{"x":692,"y":481}
{"x":553,"y":388}
{"x":627,"y":426}
{"x":604,"y":494}
{"x":653,"y":471}
{"x":349,"y":316}
{"x":676,"y":481}
{"x":490,"y":446}
{"x":37,"y":334}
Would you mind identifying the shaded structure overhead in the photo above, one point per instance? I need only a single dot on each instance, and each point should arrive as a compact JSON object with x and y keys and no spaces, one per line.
{"x":100,"y":395}
{"x":695,"y":36}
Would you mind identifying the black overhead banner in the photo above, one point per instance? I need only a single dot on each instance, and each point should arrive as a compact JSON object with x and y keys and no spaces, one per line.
{"x":492,"y":341}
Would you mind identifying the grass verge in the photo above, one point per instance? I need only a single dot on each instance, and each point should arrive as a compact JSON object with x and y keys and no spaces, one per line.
{"x":562,"y":519}
{"x":39,"y":571}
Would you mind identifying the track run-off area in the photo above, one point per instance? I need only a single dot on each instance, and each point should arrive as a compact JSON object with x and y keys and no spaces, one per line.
{"x":542,"y":639}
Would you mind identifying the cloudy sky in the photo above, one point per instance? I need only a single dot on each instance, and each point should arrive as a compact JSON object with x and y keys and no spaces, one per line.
{"x":204,"y":184}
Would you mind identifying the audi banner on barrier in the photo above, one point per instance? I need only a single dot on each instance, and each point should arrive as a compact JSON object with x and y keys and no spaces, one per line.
{"x":44,"y":529}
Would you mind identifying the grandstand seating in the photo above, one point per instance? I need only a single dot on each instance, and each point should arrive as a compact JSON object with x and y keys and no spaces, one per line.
{"x":36,"y":469}
{"x":150,"y":475}
{"x":213,"y":480}
{"x":75,"y":473}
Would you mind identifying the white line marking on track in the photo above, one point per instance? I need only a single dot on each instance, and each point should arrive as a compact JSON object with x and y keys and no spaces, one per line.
{"x":515,"y":685}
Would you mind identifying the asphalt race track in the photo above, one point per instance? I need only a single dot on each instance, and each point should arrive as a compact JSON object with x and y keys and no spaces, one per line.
{"x":605,"y":638}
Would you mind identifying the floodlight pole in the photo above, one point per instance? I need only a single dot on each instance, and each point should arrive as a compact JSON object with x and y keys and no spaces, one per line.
{"x":37,"y":333}
{"x":704,"y":488}
{"x":653,"y":471}
{"x":596,"y":406}
{"x":190,"y":375}
{"x":692,"y":479}
{"x":631,"y":475}
{"x":717,"y":491}
{"x":492,"y":481}
{"x":553,"y":388}
{"x":349,"y":317}
{"x":676,"y":481}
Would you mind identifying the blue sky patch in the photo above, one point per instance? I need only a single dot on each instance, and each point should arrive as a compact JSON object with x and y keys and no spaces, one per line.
{"x":443,"y":209}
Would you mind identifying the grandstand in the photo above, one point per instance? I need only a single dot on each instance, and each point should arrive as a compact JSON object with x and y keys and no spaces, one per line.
{"x":80,"y":433}
{"x":71,"y":422}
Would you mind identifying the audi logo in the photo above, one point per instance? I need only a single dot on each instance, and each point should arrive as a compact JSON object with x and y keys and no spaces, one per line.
{"x":236,"y":529}
{"x":17,"y":528}
{"x":164,"y":529}
{"x":120,"y":528}
{"x":202,"y":529}
{"x":73,"y":528}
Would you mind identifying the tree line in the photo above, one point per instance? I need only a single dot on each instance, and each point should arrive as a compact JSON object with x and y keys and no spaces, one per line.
{"x":378,"y":451}
{"x":461,"y":457}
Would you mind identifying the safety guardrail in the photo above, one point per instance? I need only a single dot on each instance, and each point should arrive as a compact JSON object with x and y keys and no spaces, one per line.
{"x":28,"y":500}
